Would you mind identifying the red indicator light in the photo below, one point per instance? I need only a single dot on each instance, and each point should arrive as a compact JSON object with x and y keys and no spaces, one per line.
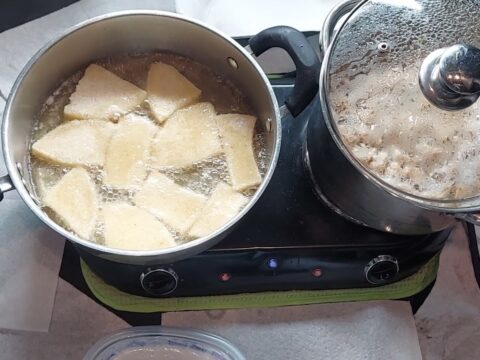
{"x":317,"y":272}
{"x":225,"y":276}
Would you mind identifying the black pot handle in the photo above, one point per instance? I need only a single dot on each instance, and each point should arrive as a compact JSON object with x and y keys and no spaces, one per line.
{"x":5,"y":185}
{"x":302,"y":54}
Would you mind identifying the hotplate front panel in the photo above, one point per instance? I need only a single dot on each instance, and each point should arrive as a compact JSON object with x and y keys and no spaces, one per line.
{"x":252,"y":270}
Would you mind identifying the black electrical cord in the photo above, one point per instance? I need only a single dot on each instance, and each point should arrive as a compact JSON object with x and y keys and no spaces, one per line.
{"x":474,"y":252}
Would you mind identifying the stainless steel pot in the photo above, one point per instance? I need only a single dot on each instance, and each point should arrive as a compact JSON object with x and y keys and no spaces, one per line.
{"x":341,"y":181}
{"x":140,"y":31}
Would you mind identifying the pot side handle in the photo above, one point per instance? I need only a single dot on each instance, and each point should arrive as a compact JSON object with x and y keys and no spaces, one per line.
{"x":303,"y":55}
{"x":472,"y":218}
{"x":5,"y":185}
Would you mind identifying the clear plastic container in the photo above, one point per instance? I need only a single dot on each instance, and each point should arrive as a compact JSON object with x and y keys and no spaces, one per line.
{"x":158,"y":342}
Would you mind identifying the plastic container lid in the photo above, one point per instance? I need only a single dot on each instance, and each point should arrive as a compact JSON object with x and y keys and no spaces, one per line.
{"x":158,"y":342}
{"x":380,"y":116}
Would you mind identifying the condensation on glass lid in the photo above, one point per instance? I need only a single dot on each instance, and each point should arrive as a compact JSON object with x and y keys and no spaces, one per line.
{"x":379,"y":110}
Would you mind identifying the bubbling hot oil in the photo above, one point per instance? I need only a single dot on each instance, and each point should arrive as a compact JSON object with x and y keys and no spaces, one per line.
{"x":201,"y":177}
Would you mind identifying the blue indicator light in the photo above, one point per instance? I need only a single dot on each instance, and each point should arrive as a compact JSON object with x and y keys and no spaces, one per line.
{"x":272,"y":263}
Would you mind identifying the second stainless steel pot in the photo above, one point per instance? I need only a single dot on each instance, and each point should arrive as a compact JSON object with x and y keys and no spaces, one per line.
{"x":378,"y":33}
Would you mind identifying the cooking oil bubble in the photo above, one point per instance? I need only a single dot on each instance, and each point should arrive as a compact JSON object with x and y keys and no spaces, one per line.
{"x":202,"y":177}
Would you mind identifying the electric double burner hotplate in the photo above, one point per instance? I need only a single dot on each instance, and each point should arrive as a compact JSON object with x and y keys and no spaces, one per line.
{"x":289,"y":240}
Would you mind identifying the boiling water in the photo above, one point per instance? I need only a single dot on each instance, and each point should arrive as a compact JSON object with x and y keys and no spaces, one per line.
{"x":201,"y":177}
{"x":408,"y":142}
{"x":382,"y":115}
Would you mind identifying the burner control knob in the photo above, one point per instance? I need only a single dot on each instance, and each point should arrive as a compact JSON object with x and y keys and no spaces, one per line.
{"x":381,"y":270}
{"x":159,"y":281}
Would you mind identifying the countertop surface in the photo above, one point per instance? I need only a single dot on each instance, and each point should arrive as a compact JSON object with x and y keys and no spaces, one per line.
{"x":446,"y":327}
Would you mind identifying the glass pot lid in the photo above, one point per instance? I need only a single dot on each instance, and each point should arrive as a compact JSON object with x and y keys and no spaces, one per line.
{"x":419,"y":140}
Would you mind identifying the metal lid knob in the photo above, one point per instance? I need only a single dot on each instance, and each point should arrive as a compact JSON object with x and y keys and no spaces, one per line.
{"x":450,"y":77}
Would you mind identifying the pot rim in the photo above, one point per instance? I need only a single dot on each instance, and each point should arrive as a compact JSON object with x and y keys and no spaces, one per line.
{"x":449,"y":206}
{"x":169,"y":253}
{"x":211,"y":340}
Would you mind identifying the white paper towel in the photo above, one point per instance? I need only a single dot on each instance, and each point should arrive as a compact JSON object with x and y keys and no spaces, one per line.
{"x":449,"y":321}
{"x":77,"y":323}
{"x":30,"y":257}
{"x":347,"y":331}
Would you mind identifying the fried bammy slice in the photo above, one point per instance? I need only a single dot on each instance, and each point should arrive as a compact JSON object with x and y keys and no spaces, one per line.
{"x":236,"y":132}
{"x":168,"y":90}
{"x":188,"y":136}
{"x":176,"y":205}
{"x":223,"y":205}
{"x":101,"y":94}
{"x":128,"y":151}
{"x":78,"y":142}
{"x":74,"y":200}
{"x":131,"y":228}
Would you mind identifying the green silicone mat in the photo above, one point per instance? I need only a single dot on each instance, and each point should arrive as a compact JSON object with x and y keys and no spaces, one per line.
{"x":122,"y":301}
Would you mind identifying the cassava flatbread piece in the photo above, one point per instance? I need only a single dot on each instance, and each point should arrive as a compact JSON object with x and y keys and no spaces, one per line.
{"x":128,"y":151}
{"x":223,"y":205}
{"x":131,"y":228}
{"x":175,"y":205}
{"x":74,"y":200}
{"x":168,"y":91}
{"x":236,"y":132}
{"x":101,"y":94}
{"x":188,"y":136}
{"x":78,"y":142}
